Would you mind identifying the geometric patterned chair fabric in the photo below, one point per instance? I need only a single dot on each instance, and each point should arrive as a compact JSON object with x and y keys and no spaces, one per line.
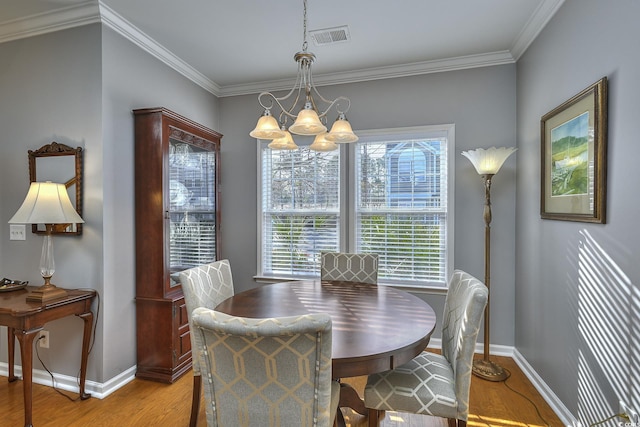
{"x":266,"y":372}
{"x":346,"y":267}
{"x":435,"y":384}
{"x":203,"y":286}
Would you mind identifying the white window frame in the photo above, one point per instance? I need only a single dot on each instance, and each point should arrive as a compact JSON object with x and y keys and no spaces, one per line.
{"x":347,"y":184}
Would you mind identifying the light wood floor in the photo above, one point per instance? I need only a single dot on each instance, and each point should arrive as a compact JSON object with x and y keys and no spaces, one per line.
{"x":146,"y":403}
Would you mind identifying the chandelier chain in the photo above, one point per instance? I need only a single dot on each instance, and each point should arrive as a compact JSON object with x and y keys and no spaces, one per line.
{"x":304,"y":26}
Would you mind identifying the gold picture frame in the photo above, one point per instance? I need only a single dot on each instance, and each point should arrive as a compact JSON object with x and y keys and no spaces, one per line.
{"x":574,"y":158}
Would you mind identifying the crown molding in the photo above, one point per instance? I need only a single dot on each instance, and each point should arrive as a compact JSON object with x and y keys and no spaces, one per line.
{"x":537,"y":22}
{"x":127,"y":30}
{"x":93,"y":11}
{"x":378,"y":73}
{"x":48,"y":22}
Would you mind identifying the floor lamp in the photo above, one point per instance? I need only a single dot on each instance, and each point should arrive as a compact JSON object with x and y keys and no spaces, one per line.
{"x":487,"y":163}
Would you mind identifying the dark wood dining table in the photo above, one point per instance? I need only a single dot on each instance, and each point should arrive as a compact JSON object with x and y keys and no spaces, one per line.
{"x":374,"y":327}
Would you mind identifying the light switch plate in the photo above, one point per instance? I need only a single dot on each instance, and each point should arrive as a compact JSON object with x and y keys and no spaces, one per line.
{"x":17,"y":232}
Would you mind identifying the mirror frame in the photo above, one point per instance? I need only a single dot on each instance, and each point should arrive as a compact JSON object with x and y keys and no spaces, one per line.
{"x":55,"y":150}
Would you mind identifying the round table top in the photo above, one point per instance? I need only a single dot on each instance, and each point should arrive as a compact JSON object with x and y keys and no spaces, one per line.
{"x":374,"y":328}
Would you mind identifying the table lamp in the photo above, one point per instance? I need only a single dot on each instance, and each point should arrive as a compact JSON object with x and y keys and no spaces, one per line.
{"x":487,"y":163}
{"x":46,"y":203}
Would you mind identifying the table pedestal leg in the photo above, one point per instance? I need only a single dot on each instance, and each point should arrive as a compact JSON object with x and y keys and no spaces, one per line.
{"x":26,"y":352}
{"x":11,"y":346}
{"x":349,"y":398}
{"x":86,"y":342}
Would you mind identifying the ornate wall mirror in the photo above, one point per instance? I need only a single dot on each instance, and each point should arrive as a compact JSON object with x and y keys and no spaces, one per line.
{"x":62,"y":164}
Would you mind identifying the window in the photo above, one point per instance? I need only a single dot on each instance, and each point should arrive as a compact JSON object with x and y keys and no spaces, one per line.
{"x":389,"y":194}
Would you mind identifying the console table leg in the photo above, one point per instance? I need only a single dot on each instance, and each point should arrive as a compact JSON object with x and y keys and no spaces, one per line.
{"x":11,"y":346}
{"x":26,"y":352}
{"x":86,"y":342}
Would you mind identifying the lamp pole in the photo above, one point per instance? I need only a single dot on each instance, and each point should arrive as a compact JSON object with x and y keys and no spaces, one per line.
{"x":485,"y":368}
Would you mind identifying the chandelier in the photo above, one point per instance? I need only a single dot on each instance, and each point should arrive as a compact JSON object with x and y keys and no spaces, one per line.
{"x":311,"y":108}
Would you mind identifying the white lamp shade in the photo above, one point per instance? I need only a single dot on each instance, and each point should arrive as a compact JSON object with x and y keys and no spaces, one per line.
{"x":341,"y":131}
{"x":267,"y":127}
{"x":320,"y":143}
{"x":307,"y":123}
{"x":46,"y":203}
{"x":489,"y":161}
{"x":284,"y":143}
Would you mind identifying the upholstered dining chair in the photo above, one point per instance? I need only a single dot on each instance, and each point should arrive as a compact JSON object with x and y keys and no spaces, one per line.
{"x":266,"y":372}
{"x":349,"y":267}
{"x":203,"y":286}
{"x":436,"y":384}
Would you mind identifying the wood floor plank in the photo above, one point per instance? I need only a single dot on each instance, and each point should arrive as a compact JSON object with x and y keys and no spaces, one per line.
{"x":145,"y":403}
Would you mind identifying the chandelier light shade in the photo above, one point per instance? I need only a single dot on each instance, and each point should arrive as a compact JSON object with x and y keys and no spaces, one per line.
{"x":46,"y":203}
{"x":341,"y":131}
{"x":487,"y":163}
{"x":308,"y":109}
{"x":267,"y":127}
{"x":307,"y":122}
{"x":284,"y":143}
{"x":320,"y":143}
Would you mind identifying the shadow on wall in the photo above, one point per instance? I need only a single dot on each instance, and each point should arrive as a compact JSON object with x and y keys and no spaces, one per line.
{"x":608,"y":360}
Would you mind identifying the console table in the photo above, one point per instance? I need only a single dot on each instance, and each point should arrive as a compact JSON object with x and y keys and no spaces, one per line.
{"x":25,"y":319}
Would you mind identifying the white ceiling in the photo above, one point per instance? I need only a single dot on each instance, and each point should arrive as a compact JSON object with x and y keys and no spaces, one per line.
{"x":232,"y":47}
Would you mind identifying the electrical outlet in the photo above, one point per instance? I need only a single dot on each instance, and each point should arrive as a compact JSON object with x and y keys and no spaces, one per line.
{"x":17,"y":232}
{"x":43,"y":339}
{"x":633,"y":415}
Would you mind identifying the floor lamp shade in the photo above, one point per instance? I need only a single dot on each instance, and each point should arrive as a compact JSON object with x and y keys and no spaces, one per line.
{"x":46,"y":203}
{"x":487,"y":163}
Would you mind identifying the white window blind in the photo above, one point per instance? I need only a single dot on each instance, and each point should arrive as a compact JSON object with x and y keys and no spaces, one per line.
{"x":192,"y":233}
{"x":300,"y":210}
{"x":401,"y":208}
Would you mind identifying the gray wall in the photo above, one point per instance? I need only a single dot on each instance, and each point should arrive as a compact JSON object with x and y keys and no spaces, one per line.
{"x":50,"y":91}
{"x":577,"y":297}
{"x":78,"y":87}
{"x":480,"y":102}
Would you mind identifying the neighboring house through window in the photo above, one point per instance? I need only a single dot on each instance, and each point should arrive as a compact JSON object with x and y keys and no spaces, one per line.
{"x":389,"y":193}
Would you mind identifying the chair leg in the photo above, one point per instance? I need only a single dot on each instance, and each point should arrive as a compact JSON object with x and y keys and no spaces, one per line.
{"x":374,"y":417}
{"x":452,"y":422}
{"x":195,"y":400}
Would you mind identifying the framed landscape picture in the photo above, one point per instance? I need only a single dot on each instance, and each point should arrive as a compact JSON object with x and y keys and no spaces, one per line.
{"x":574,"y":157}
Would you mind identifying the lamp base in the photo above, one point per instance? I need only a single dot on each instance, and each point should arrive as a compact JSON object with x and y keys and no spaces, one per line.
{"x":487,"y":370}
{"x":46,"y":292}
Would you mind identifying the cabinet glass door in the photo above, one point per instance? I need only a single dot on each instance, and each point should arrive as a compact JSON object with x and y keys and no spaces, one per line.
{"x":192,"y":207}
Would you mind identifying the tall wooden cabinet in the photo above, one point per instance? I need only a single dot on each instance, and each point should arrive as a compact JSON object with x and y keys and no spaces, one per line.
{"x":177,"y":227}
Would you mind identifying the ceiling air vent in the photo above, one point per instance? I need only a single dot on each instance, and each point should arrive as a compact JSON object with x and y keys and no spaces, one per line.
{"x":330,"y":35}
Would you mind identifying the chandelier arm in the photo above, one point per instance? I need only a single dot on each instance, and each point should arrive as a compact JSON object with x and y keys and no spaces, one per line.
{"x":327,"y":101}
{"x":335,"y":102}
{"x":277,"y":100}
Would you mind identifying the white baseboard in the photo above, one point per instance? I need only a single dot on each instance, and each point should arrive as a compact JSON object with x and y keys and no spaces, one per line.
{"x":547,"y":394}
{"x":68,"y":383}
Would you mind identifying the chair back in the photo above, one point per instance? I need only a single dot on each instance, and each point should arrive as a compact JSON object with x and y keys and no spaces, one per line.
{"x":266,"y":372}
{"x":205,"y":286}
{"x":463,"y":309}
{"x":348,"y":267}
